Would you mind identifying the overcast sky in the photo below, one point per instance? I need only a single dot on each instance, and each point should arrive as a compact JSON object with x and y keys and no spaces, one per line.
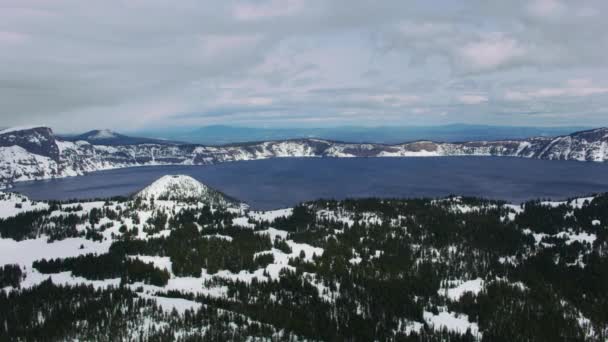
{"x":125,"y":65}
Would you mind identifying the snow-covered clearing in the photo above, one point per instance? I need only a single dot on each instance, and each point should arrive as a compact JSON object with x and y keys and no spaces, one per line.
{"x":271,"y":215}
{"x":451,"y":321}
{"x":456,"y":289}
{"x":12,"y":204}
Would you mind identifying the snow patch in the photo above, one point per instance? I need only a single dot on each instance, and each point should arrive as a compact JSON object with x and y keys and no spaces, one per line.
{"x":458,"y":288}
{"x":451,"y":321}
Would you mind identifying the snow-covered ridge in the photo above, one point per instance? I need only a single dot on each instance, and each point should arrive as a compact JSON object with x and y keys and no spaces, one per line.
{"x":18,"y":129}
{"x":64,"y":158}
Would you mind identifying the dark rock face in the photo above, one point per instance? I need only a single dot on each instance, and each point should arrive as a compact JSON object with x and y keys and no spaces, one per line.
{"x":40,"y":140}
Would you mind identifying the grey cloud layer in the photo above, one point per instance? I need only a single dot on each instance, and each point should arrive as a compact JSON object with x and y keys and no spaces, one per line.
{"x":128,"y":64}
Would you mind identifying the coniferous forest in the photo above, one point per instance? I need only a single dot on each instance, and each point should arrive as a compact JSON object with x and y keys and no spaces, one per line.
{"x":453,"y":269}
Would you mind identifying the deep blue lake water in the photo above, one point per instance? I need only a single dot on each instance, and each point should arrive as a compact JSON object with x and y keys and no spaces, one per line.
{"x":278,"y":183}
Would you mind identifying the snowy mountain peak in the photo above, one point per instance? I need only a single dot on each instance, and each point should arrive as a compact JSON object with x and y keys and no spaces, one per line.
{"x":102,"y":134}
{"x":182,"y":188}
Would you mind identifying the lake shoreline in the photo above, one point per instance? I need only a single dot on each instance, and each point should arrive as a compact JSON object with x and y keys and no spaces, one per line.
{"x":283,"y":182}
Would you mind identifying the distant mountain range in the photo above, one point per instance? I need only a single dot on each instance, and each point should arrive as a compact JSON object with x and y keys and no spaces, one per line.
{"x":219,"y":135}
{"x":107,"y":137}
{"x":36,"y":153}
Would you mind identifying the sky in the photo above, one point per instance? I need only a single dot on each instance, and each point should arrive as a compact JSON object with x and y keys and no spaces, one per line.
{"x":134,"y":64}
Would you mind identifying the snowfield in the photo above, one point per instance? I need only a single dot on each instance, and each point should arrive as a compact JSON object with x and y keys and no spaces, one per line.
{"x":12,"y":204}
{"x":451,"y":321}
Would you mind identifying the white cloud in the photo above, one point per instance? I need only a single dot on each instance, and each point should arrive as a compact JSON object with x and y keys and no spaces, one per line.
{"x":137,"y":63}
{"x":260,"y":101}
{"x":395,"y":99}
{"x":267,"y":9}
{"x":573,"y":88}
{"x":546,"y":8}
{"x":492,"y":51}
{"x":219,"y":46}
{"x":421,"y":110}
{"x":12,"y":37}
{"x":472,"y":99}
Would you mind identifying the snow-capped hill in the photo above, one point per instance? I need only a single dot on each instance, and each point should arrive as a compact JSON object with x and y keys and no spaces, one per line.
{"x":182,"y":188}
{"x":102,"y":134}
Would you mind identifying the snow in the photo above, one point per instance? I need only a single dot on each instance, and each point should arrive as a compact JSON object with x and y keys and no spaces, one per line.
{"x":24,"y":253}
{"x":577,"y":237}
{"x":218,"y":236}
{"x":346,"y":218}
{"x":569,"y":236}
{"x":65,"y":146}
{"x":17,"y":164}
{"x":575,"y":203}
{"x":274,"y":233}
{"x":309,"y":251}
{"x":421,"y":153}
{"x":325,"y":293}
{"x":338,"y":152}
{"x":103,"y":134}
{"x":270,"y":216}
{"x":523,"y":145}
{"x":10,"y":201}
{"x":508,"y":260}
{"x":27,"y":251}
{"x":596,"y":222}
{"x":355,"y":260}
{"x":458,"y":288}
{"x":409,"y":327}
{"x":451,"y":321}
{"x":34,"y":278}
{"x":511,"y":216}
{"x":242,"y":222}
{"x":170,"y":304}
{"x":162,"y":263}
{"x":538,"y":237}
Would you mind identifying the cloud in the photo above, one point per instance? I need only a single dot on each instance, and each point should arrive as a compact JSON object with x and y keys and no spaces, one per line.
{"x":8,"y":37}
{"x":395,"y":100}
{"x":546,"y":8}
{"x":573,"y":88}
{"x":491,"y":52}
{"x":218,"y":46}
{"x":471,"y":99}
{"x":133,"y":64}
{"x":267,"y":9}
